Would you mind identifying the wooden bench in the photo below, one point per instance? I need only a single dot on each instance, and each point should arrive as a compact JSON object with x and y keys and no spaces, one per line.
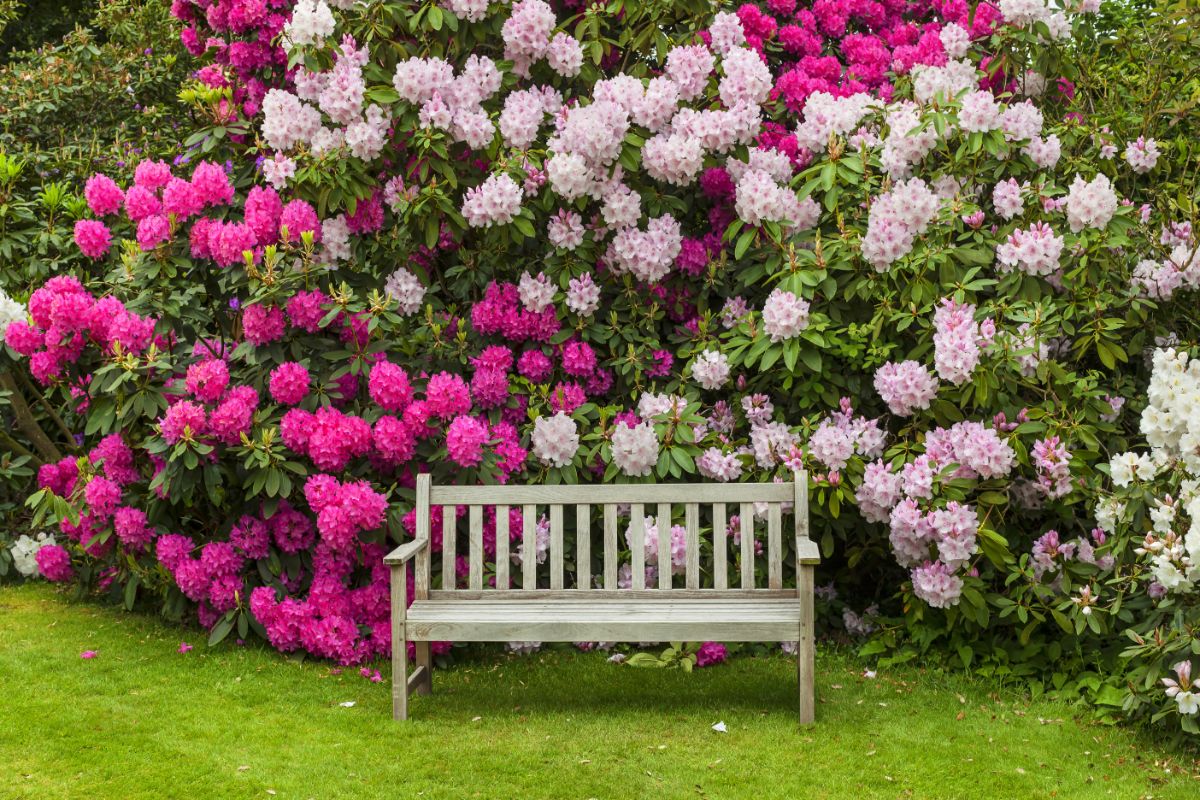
{"x":699,"y":605}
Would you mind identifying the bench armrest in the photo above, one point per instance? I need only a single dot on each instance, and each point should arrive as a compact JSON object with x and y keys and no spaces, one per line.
{"x":807,"y":551}
{"x":405,"y":552}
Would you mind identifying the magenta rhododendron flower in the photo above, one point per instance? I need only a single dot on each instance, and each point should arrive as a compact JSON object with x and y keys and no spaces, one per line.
{"x":289,"y":383}
{"x":711,"y":653}
{"x":54,"y":563}
{"x":93,"y":237}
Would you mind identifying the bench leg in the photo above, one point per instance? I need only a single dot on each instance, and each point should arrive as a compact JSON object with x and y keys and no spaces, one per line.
{"x":425,"y":659}
{"x":399,"y":591}
{"x":806,"y":645}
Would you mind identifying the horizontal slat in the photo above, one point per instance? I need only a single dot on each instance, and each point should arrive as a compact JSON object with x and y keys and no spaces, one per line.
{"x":614,"y":620}
{"x":608,"y":630}
{"x":613,"y":493}
{"x":601,"y":595}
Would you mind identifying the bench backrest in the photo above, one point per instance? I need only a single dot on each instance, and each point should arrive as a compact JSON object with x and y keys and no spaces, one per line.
{"x":590,"y":515}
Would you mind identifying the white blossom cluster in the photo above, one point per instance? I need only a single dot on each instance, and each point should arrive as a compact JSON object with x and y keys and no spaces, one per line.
{"x":1171,"y":425}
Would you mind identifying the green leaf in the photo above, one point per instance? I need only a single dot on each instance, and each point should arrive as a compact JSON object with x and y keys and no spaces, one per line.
{"x":220,"y":630}
{"x":743,"y":243}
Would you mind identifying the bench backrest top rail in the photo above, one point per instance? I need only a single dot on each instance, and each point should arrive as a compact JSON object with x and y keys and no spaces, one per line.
{"x":519,"y":494}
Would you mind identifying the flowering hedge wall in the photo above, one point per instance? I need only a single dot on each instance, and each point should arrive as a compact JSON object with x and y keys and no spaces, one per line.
{"x":580,"y":243}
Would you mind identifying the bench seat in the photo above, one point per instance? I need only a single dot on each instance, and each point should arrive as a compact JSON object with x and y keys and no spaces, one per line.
{"x":606,"y":619}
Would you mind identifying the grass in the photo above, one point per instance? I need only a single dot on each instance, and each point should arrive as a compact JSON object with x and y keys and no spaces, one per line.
{"x":142,"y":720}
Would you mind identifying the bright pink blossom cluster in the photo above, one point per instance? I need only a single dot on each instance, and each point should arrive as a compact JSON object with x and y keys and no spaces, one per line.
{"x":65,"y":319}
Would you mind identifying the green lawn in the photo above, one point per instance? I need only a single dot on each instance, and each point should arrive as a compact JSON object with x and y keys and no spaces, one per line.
{"x":142,"y":720}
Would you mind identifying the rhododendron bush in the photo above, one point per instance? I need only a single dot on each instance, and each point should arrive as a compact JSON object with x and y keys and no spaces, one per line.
{"x":564,"y":242}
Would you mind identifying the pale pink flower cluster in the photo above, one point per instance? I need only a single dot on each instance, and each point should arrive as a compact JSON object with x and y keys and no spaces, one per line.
{"x":635,"y":448}
{"x":842,"y":435}
{"x":760,"y":199}
{"x":937,"y":585}
{"x":942,"y":82}
{"x":896,"y":218}
{"x":447,"y":102}
{"x":689,"y":67}
{"x":1035,"y":250}
{"x":879,"y":492}
{"x":291,"y":119}
{"x":287,"y":121}
{"x":978,"y":112}
{"x":405,"y":288}
{"x":470,"y":10}
{"x":772,"y":443}
{"x":1091,"y":204}
{"x":565,"y":229}
{"x":1022,"y":121}
{"x":673,"y":158}
{"x":523,"y":114}
{"x":978,"y":450}
{"x":657,"y":106}
{"x":1160,"y":280}
{"x":726,"y":33}
{"x":1027,"y":13}
{"x":1142,"y":155}
{"x":904,"y":145}
{"x":583,"y":295}
{"x":677,"y":544}
{"x":958,"y":340}
{"x":527,"y":34}
{"x":1044,"y":152}
{"x":747,"y":78}
{"x":710,"y":368}
{"x":652,"y":405}
{"x":1006,"y":198}
{"x":719,"y":466}
{"x":826,"y":116}
{"x":784,"y":315}
{"x":311,"y":23}
{"x":536,"y":292}
{"x":565,"y":55}
{"x":1053,"y":463}
{"x":647,"y":254}
{"x":719,"y":129}
{"x":555,"y":440}
{"x":906,"y":386}
{"x":278,"y":170}
{"x":496,"y":201}
{"x":955,"y":40}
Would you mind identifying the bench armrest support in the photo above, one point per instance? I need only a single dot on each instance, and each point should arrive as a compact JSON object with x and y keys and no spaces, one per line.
{"x":405,"y":552}
{"x":807,"y":551}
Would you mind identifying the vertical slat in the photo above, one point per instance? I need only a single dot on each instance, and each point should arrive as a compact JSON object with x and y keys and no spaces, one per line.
{"x":664,"y":545}
{"x":692,"y":523}
{"x":610,"y":546}
{"x":475,"y":551}
{"x":583,"y":546}
{"x":449,"y":529}
{"x":424,"y":558}
{"x":774,"y":548}
{"x":720,"y":548}
{"x":501,"y":547}
{"x":800,"y":502}
{"x":529,"y":547}
{"x":637,"y":547}
{"x":399,"y":590}
{"x":806,"y":651}
{"x":556,"y":547}
{"x":746,"y":523}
